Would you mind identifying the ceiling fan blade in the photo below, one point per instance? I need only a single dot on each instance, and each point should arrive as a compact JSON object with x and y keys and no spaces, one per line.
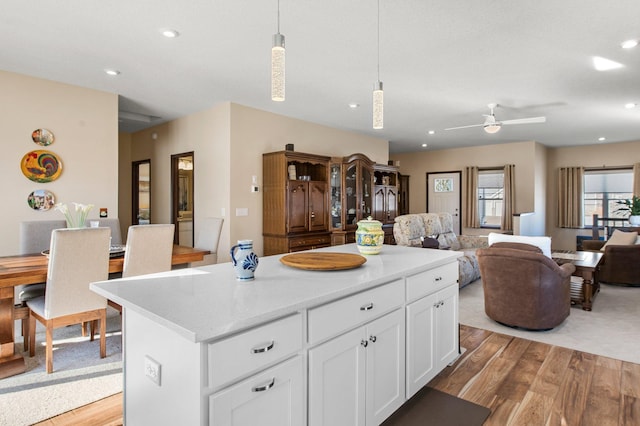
{"x":465,"y":127}
{"x":525,"y":120}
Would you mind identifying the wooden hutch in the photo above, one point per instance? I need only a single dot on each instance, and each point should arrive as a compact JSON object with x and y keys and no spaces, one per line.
{"x":312,"y":201}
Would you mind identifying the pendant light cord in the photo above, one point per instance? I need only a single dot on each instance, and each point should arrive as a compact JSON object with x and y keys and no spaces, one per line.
{"x":278,"y":16}
{"x":378,"y":40}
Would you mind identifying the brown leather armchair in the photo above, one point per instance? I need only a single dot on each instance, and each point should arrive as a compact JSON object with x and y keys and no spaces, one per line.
{"x":524,"y":288}
{"x":619,"y":265}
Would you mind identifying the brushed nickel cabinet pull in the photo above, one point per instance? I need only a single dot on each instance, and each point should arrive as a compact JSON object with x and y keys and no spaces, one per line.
{"x":264,"y":387}
{"x":367,"y":307}
{"x":262,"y":349}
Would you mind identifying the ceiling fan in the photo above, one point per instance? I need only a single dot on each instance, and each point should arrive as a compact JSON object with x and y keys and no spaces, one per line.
{"x":491,"y":125}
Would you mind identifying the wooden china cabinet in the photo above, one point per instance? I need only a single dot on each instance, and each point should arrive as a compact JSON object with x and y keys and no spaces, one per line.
{"x":385,"y":198}
{"x":295,"y":202}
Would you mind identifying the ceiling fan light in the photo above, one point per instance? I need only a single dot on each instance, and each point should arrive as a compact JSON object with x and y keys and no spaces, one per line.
{"x":492,"y":128}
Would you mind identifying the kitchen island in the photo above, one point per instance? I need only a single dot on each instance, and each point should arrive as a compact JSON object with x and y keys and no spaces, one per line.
{"x":291,"y":347}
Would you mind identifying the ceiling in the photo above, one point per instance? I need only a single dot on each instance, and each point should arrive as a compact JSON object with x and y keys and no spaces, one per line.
{"x":441,"y":61}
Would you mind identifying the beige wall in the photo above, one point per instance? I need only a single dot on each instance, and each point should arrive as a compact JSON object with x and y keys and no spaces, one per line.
{"x":85,"y":125}
{"x":417,"y":165}
{"x":228,"y":141}
{"x":599,"y":155}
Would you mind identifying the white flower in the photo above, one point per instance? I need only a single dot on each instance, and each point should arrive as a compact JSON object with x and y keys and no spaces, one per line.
{"x":77,"y":219}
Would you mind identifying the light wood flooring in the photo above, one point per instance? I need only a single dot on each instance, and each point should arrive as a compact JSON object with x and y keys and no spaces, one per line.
{"x":521,"y":381}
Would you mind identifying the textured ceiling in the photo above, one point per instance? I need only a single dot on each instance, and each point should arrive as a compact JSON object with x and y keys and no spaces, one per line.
{"x":441,"y":61}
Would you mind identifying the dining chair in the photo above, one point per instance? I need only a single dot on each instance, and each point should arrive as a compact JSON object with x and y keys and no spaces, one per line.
{"x":208,"y":237}
{"x":113,"y":223}
{"x":35,"y":237}
{"x":148,"y":250}
{"x":77,"y":257}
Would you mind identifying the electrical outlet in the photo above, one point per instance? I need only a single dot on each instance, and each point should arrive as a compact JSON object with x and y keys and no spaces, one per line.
{"x":152,"y":369}
{"x":254,"y":188}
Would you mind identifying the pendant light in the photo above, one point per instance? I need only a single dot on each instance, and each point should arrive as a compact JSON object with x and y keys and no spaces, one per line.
{"x":378,"y":94}
{"x":277,"y":64}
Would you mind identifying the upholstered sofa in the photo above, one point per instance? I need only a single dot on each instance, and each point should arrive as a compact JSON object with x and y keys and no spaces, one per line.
{"x":410,"y":229}
{"x":620,"y":263}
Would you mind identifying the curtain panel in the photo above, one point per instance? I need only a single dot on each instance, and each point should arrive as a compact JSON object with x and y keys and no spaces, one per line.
{"x":570,"y":193}
{"x":509,"y":197}
{"x":471,"y":219}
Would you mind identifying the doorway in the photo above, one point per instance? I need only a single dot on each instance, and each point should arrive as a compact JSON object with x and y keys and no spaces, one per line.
{"x":444,"y":195}
{"x":141,"y":192}
{"x":182,"y":197}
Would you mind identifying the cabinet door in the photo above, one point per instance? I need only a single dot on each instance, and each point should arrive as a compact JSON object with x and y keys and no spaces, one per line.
{"x":379,"y":203}
{"x":337,"y":381}
{"x":298,"y":201}
{"x":274,"y":397}
{"x":447,"y":326}
{"x":421,"y":363}
{"x":391,"y":204}
{"x":318,"y":207}
{"x":385,"y":366}
{"x":366,"y":191}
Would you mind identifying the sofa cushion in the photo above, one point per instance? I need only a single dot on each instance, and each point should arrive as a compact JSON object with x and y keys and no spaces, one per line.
{"x":620,"y":238}
{"x":544,"y":243}
{"x":449,"y":239}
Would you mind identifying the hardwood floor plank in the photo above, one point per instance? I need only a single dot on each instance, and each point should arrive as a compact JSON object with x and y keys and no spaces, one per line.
{"x":549,"y":377}
{"x":604,"y":398}
{"x":502,"y":411}
{"x":571,"y":399}
{"x":533,"y":410}
{"x":629,"y":411}
{"x":631,"y":379}
{"x":517,"y":383}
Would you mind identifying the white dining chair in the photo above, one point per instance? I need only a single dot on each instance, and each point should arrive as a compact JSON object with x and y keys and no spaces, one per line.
{"x":113,"y":223}
{"x":208,"y":237}
{"x":77,"y":257}
{"x":148,"y":250}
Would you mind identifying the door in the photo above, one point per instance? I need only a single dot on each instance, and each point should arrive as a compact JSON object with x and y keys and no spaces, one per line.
{"x":298,"y":200}
{"x":182,"y":197}
{"x":337,"y":381}
{"x":421,"y":341}
{"x":318,"y":206}
{"x":444,"y":195}
{"x":140,"y":192}
{"x":447,"y":326}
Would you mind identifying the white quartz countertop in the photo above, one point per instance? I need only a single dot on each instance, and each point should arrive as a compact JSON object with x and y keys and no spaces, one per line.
{"x":207,"y":303}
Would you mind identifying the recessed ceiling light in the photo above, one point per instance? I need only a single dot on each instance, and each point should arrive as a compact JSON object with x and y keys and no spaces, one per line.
{"x":111,"y":71}
{"x":353,"y":105}
{"x":432,"y":132}
{"x":603,"y":64}
{"x":629,"y":44}
{"x":601,"y":139}
{"x":424,"y":145}
{"x":630,"y":105}
{"x":169,"y":33}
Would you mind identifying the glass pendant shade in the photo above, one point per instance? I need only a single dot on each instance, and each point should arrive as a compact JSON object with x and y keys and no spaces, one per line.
{"x":378,"y":106}
{"x":277,"y":68}
{"x":492,"y":128}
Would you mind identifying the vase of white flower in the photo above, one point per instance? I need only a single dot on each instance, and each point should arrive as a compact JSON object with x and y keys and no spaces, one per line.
{"x":77,"y":216}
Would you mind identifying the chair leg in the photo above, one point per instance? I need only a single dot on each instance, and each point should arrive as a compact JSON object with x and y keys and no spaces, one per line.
{"x":25,"y":333}
{"x":103,"y":333}
{"x":49,"y":351}
{"x":84,"y":329}
{"x":32,"y":335}
{"x":92,"y":324}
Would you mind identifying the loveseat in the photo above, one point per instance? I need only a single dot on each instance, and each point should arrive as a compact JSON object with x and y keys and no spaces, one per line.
{"x":410,"y":229}
{"x":620,"y":263}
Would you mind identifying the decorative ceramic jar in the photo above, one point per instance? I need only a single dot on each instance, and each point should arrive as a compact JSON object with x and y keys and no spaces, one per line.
{"x":369,"y":236}
{"x":244,"y":260}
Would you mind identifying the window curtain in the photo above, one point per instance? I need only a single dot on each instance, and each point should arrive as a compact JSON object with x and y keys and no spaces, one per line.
{"x":636,"y":179}
{"x":508,"y":197}
{"x":471,"y":219}
{"x":570,"y":192}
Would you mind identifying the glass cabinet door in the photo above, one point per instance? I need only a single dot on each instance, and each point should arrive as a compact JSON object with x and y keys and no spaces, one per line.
{"x":335,"y":180}
{"x":351,"y":195}
{"x":367,"y":191}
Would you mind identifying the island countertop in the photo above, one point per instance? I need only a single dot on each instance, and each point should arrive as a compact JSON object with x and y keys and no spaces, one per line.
{"x":208,"y":303}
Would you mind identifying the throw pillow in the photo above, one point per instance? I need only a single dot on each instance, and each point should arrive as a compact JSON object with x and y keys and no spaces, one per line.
{"x":544,"y":243}
{"x":620,"y":238}
{"x":638,"y":240}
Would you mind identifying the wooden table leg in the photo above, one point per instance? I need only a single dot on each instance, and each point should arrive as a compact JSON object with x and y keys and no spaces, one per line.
{"x":10,"y":362}
{"x":587,"y":290}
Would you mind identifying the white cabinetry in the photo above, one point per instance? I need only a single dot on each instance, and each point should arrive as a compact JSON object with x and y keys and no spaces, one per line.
{"x":358,"y":377}
{"x":432,"y":336}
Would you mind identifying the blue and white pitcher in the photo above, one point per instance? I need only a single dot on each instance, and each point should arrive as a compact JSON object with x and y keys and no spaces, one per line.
{"x":246,"y":261}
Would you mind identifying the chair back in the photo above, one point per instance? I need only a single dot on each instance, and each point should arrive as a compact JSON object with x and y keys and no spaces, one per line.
{"x":35,"y":235}
{"x":149,"y":249}
{"x":77,"y":257}
{"x":114,"y":224}
{"x":208,"y":237}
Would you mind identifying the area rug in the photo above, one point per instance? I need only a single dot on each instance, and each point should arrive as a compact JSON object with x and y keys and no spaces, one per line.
{"x":610,"y":329}
{"x":430,"y":407}
{"x":80,"y":376}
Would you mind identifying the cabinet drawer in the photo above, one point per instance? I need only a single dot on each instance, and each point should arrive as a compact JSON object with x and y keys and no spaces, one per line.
{"x":318,"y":241}
{"x":430,"y":281}
{"x":252,"y":350}
{"x":331,"y":319}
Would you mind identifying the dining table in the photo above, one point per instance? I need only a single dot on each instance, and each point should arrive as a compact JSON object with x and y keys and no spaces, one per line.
{"x":32,"y":269}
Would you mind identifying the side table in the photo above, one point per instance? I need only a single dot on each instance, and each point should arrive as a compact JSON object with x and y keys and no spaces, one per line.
{"x":586,"y":263}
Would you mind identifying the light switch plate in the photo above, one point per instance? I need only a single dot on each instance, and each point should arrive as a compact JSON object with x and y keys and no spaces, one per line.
{"x":152,"y":369}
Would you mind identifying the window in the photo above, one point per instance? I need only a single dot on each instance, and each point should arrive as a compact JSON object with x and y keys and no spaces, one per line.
{"x":490,"y":196}
{"x":602,"y":190}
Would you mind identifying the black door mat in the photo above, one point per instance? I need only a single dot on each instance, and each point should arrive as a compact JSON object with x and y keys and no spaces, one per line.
{"x":432,"y":407}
